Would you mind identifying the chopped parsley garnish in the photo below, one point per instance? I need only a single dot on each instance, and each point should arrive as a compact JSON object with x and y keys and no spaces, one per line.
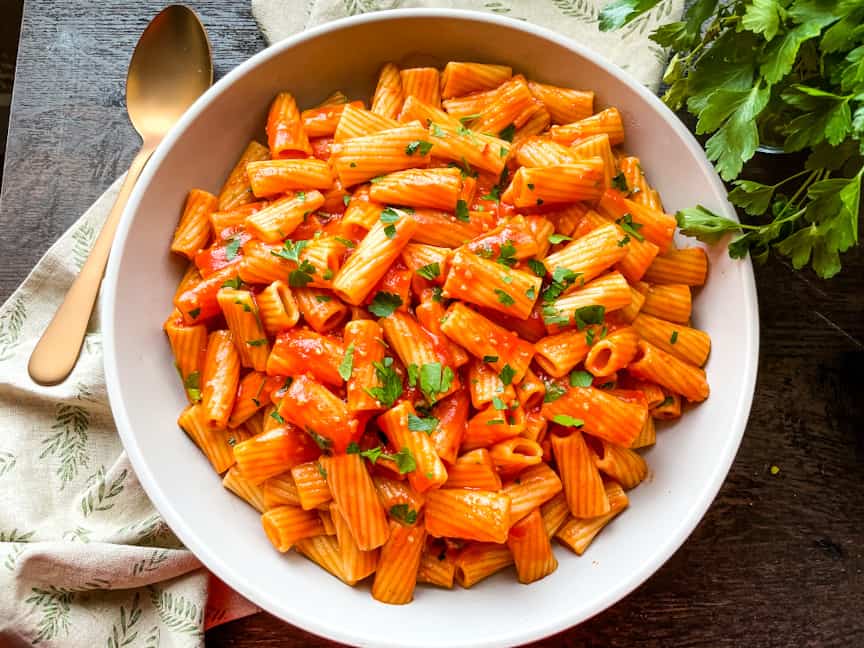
{"x":321,"y":441}
{"x":323,"y":299}
{"x":301,"y":196}
{"x":233,"y":283}
{"x":391,"y":384}
{"x":530,"y":186}
{"x":462,"y":211}
{"x":437,"y":131}
{"x":531,"y":293}
{"x":232,"y":248}
{"x":418,"y":424}
{"x":291,"y":250}
{"x":507,"y":374}
{"x":632,"y":228}
{"x":192,"y":383}
{"x":435,"y":380}
{"x":353,"y":448}
{"x":496,"y":421}
{"x":328,"y":274}
{"x":504,"y":298}
{"x":403,"y":459}
{"x":403,"y":513}
{"x":194,"y":313}
{"x":624,"y":241}
{"x":554,"y":391}
{"x":674,"y":338}
{"x":508,"y":133}
{"x":346,"y":199}
{"x":277,"y":416}
{"x":581,"y":379}
{"x":302,"y":275}
{"x":384,"y":303}
{"x":666,"y":401}
{"x":421,"y":146}
{"x":347,"y":364}
{"x":498,"y":404}
{"x":562,"y":279}
{"x":619,"y":182}
{"x":376,"y":179}
{"x":437,"y":294}
{"x":257,"y":343}
{"x":321,"y":470}
{"x":490,"y":358}
{"x":430,"y":271}
{"x":589,"y":315}
{"x":567,"y":421}
{"x":557,"y":238}
{"x":537,"y":267}
{"x":346,"y":242}
{"x":507,"y":254}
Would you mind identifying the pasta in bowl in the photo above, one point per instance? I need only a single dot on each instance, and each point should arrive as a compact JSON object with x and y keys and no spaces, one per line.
{"x":425,"y":333}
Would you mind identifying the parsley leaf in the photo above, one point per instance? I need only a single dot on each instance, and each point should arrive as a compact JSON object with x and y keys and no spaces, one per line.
{"x":490,"y":358}
{"x":589,"y":315}
{"x":537,"y":267}
{"x":630,"y":226}
{"x":508,"y":133}
{"x":498,"y":404}
{"x":554,"y":391}
{"x":234,"y":283}
{"x":192,"y":383}
{"x":321,"y":441}
{"x":302,"y":275}
{"x":558,"y":238}
{"x":384,"y":303}
{"x":403,"y":513}
{"x":504,"y":297}
{"x":277,"y":416}
{"x":567,"y":421}
{"x":421,"y":146}
{"x":619,"y":182}
{"x":347,"y":364}
{"x":430,"y":271}
{"x":291,"y":250}
{"x":417,"y":424}
{"x":257,"y":343}
{"x":435,"y":380}
{"x":391,"y":384}
{"x":581,"y":379}
{"x":507,"y":374}
{"x":674,"y":338}
{"x":462,"y":211}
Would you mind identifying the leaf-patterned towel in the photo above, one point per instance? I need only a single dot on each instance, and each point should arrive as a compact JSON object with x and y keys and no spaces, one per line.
{"x":85,"y":559}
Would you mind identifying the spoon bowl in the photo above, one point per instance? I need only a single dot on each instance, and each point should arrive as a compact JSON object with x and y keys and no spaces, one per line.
{"x":170,"y":68}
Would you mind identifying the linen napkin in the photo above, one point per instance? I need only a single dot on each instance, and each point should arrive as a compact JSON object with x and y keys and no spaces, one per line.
{"x":85,"y":559}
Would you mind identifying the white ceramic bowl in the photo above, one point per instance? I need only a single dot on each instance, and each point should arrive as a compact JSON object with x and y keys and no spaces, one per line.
{"x":689,"y":462}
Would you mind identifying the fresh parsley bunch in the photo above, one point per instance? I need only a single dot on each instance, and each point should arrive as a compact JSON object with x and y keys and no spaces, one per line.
{"x":783,"y":73}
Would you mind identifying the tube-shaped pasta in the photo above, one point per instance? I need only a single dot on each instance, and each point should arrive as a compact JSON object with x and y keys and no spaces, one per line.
{"x":271,"y":177}
{"x":655,"y":225}
{"x":469,"y":105}
{"x":668,"y":409}
{"x":542,"y":152}
{"x":462,"y":78}
{"x":262,"y":265}
{"x":495,"y":423}
{"x":531,"y":391}
{"x":598,"y":146}
{"x":416,"y":110}
{"x":189,"y":346}
{"x":688,"y":344}
{"x":583,"y":485}
{"x":193,"y":231}
{"x":310,"y":478}
{"x":247,"y":332}
{"x":312,"y":407}
{"x":565,"y":105}
{"x":362,"y":212}
{"x":357,"y":499}
{"x":280,"y":490}
{"x":485,"y":385}
{"x":435,"y":188}
{"x":357,"y":564}
{"x":443,"y":229}
{"x":430,"y":313}
{"x":688,"y":266}
{"x":320,"y":309}
{"x":640,"y":191}
{"x":513,"y":456}
{"x":561,"y":183}
{"x":468,"y":514}
{"x":397,"y":424}
{"x":531,"y":549}
{"x":555,"y":512}
{"x":359,"y":159}
{"x":393,"y":492}
{"x":219,"y":378}
{"x":513,"y":104}
{"x":534,"y":486}
{"x":396,"y":576}
{"x":611,"y":291}
{"x":654,"y":364}
{"x":537,"y":123}
{"x":613,"y":352}
{"x":484,"y":339}
{"x":603,"y":414}
{"x":423,"y":83}
{"x":273,"y":452}
{"x":368,"y":344}
{"x":298,"y":351}
{"x":452,"y":415}
{"x":455,"y":142}
{"x":357,"y":122}
{"x":474,"y":469}
{"x":252,"y":395}
{"x":285,"y":525}
{"x":480,"y":560}
{"x":647,"y":436}
{"x":418,"y":256}
{"x":589,"y":255}
{"x":622,"y":464}
{"x":285,"y":133}
{"x":437,"y":565}
{"x":277,"y":308}
{"x":323,"y":120}
{"x":323,"y":550}
{"x":212,"y":441}
{"x":226,"y":224}
{"x":487,"y":283}
{"x":630,"y":312}
{"x":198,"y":302}
{"x":388,"y":97}
{"x":558,"y":354}
{"x":671,"y":302}
{"x":535,"y":428}
{"x":323,"y":254}
{"x":370,"y":261}
{"x":237,"y":191}
{"x":512,"y":239}
{"x":577,"y":533}
{"x":606,"y":121}
{"x":280,"y":218}
{"x":251,"y":494}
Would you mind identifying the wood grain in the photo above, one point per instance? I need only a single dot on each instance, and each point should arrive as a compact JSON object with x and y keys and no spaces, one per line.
{"x":777,"y":561}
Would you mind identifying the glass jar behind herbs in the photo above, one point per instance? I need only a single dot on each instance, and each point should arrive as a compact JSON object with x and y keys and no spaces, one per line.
{"x":782,"y":73}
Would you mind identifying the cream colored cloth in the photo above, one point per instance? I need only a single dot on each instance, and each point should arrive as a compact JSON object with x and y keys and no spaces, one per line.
{"x":85,"y":559}
{"x":630,"y":48}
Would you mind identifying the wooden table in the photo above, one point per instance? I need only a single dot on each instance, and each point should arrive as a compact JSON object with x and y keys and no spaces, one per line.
{"x":777,"y":561}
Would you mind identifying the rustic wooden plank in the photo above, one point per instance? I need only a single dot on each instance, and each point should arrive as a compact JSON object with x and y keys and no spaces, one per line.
{"x":777,"y":561}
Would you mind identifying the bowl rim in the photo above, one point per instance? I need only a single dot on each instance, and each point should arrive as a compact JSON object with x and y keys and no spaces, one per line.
{"x":542,"y":627}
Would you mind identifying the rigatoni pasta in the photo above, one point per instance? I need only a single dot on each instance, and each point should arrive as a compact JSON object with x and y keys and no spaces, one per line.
{"x":424,"y":339}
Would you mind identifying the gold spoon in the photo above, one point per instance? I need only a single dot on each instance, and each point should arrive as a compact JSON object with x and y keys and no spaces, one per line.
{"x":170,"y":68}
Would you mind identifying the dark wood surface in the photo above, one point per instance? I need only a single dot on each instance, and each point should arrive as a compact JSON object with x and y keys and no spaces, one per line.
{"x":777,"y":561}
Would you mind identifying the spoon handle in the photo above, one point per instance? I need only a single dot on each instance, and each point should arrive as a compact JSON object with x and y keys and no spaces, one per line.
{"x":57,"y":351}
